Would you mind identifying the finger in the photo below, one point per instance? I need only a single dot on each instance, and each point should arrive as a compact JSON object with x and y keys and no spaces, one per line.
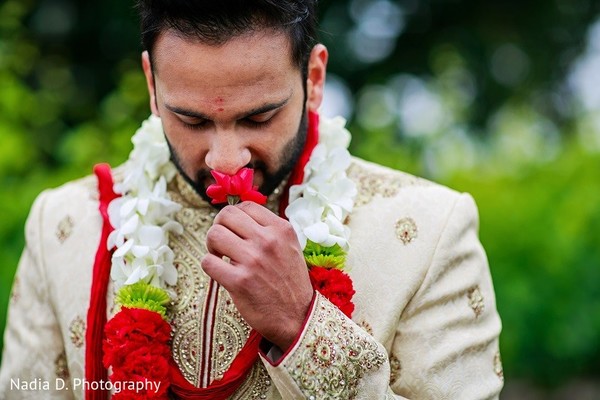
{"x":221,"y":271}
{"x":220,"y":241}
{"x":279,"y":230}
{"x":262,"y":215}
{"x":238,"y":222}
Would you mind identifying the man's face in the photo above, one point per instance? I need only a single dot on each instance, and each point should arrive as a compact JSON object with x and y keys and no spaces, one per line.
{"x":229,"y":106}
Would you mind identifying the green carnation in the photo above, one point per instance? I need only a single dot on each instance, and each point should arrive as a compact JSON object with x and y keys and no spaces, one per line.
{"x":326,"y":257}
{"x":143,"y":295}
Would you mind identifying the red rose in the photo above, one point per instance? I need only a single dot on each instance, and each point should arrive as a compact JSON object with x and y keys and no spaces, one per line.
{"x":238,"y":185}
{"x":335,"y":285}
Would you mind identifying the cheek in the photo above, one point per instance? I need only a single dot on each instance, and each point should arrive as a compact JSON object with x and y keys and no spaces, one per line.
{"x":189,"y":149}
{"x":270,"y":148}
{"x":284,"y":134}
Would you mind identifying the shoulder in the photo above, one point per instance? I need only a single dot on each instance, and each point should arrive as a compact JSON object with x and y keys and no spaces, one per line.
{"x":406,"y":215}
{"x":397,"y":225}
{"x":62,"y":236}
{"x":64,"y":217}
{"x":73,"y":192}
{"x":71,"y":196}
{"x":59,"y":208}
{"x":385,"y":186}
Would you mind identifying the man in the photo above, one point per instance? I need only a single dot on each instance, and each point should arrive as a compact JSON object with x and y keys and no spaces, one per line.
{"x":236,"y":85}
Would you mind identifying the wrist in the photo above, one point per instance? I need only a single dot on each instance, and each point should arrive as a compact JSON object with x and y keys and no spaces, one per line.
{"x":273,"y":352}
{"x":292,"y":329}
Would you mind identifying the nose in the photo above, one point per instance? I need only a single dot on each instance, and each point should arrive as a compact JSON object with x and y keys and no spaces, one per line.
{"x":227,"y":153}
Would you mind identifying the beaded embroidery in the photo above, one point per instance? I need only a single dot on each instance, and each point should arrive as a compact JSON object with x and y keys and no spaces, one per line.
{"x":77,"y":331}
{"x":395,"y":369}
{"x":61,"y":368}
{"x":498,"y":366}
{"x":476,"y":301}
{"x":370,"y":184}
{"x":185,"y":313}
{"x":64,"y":229}
{"x":406,"y":230}
{"x":333,"y":355}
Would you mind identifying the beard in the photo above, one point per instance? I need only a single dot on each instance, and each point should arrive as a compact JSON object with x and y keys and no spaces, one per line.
{"x":271,"y":179}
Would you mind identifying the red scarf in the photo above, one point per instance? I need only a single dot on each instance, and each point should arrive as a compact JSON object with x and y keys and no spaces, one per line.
{"x":96,"y":316}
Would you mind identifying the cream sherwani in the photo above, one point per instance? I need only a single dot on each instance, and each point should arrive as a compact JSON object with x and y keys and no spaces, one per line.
{"x":425,"y":324}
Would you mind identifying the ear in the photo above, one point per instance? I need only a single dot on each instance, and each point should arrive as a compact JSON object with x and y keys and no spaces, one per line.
{"x":147,"y":66}
{"x":315,"y":83}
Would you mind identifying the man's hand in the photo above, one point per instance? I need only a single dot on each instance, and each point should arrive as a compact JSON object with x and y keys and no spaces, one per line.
{"x":267,"y":276}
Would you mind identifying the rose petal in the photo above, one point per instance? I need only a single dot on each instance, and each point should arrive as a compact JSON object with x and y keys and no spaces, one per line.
{"x":217,"y":193}
{"x":247,"y":177}
{"x":255,"y":196}
{"x":221,"y":179}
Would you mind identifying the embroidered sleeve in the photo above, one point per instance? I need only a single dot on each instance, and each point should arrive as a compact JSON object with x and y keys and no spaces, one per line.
{"x":33,"y":359}
{"x":333,"y":359}
{"x":446,"y":344}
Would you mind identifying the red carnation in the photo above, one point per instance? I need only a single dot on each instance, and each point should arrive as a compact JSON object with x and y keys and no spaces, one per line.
{"x":146,"y":364}
{"x":136,"y":346}
{"x":130,"y":329}
{"x":232,"y":188}
{"x":335,"y":285}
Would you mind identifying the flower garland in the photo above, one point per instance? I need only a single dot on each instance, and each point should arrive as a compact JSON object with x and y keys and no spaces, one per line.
{"x":136,"y":344}
{"x":317,"y":211}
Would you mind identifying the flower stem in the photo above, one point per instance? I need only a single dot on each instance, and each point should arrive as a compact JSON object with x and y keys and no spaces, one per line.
{"x":232,"y":200}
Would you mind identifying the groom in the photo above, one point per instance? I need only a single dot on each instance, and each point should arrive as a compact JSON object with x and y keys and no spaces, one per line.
{"x":234,"y":85}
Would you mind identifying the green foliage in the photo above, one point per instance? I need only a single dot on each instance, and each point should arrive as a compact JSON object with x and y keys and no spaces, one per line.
{"x":143,"y":295}
{"x":52,"y":128}
{"x":540,"y":229}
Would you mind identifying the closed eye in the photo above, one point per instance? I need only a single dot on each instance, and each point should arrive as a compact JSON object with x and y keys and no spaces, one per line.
{"x":256,"y":124}
{"x":259,"y":120}
{"x":195,"y":125}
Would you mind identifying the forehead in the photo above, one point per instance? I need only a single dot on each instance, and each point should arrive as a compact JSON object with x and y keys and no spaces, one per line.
{"x":190,"y":71}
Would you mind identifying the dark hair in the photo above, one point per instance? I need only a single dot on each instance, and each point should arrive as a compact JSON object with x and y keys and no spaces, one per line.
{"x":217,"y":21}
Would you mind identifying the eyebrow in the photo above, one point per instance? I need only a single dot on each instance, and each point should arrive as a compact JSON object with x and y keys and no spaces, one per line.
{"x":255,"y":111}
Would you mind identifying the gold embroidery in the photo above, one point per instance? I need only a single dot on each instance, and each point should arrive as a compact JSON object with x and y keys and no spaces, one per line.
{"x":61,"y":368}
{"x":256,"y":385}
{"x":231,"y":333}
{"x":476,"y":301}
{"x":186,"y":312}
{"x":367,"y":327}
{"x":406,"y":230}
{"x":333,"y":355}
{"x":186,"y":349}
{"x":385,"y":184}
{"x":77,"y":331}
{"x":395,"y":369}
{"x":498,"y":366}
{"x":64,"y":229}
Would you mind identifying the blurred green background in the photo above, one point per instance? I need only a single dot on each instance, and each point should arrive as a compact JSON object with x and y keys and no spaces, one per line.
{"x":499,"y":99}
